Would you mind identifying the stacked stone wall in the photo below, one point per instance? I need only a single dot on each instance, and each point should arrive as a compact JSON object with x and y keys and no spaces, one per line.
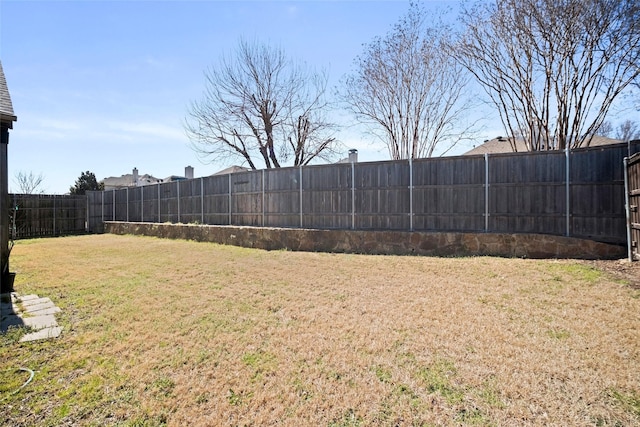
{"x":380,"y":242}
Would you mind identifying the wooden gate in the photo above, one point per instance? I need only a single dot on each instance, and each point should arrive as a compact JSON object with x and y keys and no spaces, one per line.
{"x":633,"y":206}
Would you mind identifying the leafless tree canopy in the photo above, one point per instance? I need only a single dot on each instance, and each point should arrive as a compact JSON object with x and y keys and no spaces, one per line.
{"x":28,"y":183}
{"x":628,"y":131}
{"x":259,"y":105}
{"x":553,"y":68}
{"x":407,"y":89}
{"x":625,"y":131}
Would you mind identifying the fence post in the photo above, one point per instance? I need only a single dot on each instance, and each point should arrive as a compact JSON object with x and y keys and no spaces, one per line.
{"x":230,"y":199}
{"x":141,"y":204}
{"x":486,"y":192}
{"x":568,"y":191}
{"x":54,"y":214}
{"x":127,"y":204}
{"x":301,"y":196}
{"x":202,"y":200}
{"x":102,"y":205}
{"x":263,"y":194}
{"x":159,"y":212}
{"x":178,"y":185}
{"x":410,"y":194}
{"x":113,"y":210}
{"x":627,"y":208}
{"x":86,"y":219}
{"x":353,"y":195}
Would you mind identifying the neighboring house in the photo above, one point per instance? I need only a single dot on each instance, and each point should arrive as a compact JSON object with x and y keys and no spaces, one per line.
{"x":134,"y":179}
{"x":231,"y":169}
{"x":129,"y":180}
{"x":503,"y":145}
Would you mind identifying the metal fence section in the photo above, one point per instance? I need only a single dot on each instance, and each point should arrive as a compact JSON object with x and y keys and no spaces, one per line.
{"x":39,"y":215}
{"x":576,"y":193}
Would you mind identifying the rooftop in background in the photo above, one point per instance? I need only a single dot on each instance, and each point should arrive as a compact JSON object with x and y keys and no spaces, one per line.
{"x":134,"y":179}
{"x":231,"y":169}
{"x":503,"y":145}
{"x":7,"y":116}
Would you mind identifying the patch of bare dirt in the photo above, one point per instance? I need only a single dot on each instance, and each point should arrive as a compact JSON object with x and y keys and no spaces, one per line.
{"x":621,"y":269}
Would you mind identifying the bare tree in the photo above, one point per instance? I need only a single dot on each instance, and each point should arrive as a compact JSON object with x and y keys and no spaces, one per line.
{"x":605,"y":129}
{"x":628,"y":131}
{"x":553,"y":68}
{"x":260,"y":105}
{"x":28,"y":183}
{"x":407,"y":89}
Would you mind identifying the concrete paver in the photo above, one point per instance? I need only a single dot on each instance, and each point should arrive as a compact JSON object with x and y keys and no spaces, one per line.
{"x":42,"y":334}
{"x":43,"y":311}
{"x":35,"y":301}
{"x":40,"y":322}
{"x":37,"y":307}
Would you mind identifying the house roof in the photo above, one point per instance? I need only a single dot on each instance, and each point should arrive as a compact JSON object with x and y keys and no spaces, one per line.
{"x":503,"y":145}
{"x":231,"y":169}
{"x":497,"y":145}
{"x":129,"y":181}
{"x":7,"y":116}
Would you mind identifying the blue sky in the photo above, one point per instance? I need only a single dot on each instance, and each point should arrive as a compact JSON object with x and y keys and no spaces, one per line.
{"x":105,"y":85}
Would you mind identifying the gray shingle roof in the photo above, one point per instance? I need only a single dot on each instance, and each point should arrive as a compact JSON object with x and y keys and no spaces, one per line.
{"x":503,"y":145}
{"x":7,"y":116}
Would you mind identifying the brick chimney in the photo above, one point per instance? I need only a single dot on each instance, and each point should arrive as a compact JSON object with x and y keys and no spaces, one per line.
{"x":188,"y":172}
{"x":353,"y":156}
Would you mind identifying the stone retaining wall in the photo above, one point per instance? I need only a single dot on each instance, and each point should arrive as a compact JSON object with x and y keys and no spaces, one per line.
{"x":379,"y":242}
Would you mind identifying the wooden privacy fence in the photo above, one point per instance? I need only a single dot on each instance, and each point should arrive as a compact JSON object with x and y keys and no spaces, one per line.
{"x":633,"y":206}
{"x":578,"y":193}
{"x":39,"y":215}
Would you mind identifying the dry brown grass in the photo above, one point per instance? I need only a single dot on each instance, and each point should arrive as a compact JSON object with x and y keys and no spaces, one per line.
{"x":184,"y":333}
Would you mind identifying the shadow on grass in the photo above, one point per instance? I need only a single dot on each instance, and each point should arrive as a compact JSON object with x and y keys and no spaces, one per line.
{"x":8,"y":317}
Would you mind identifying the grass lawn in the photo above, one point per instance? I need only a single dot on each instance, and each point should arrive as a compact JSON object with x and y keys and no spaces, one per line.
{"x":162,"y":332}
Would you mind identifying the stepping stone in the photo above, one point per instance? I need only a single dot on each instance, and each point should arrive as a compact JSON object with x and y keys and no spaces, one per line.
{"x":43,"y":311}
{"x":42,"y":334}
{"x":40,"y":322}
{"x":36,"y":307}
{"x":36,"y":301}
{"x":27,"y":297}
